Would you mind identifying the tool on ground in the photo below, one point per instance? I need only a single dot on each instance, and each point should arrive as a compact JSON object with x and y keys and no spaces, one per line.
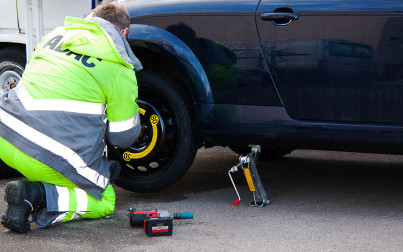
{"x":248,"y":165}
{"x":156,"y":222}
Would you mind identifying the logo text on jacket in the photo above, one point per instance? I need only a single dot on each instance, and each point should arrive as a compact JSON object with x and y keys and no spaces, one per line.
{"x":55,"y":45}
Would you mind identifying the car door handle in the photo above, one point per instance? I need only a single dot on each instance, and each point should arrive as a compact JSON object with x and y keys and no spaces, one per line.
{"x":275,"y":16}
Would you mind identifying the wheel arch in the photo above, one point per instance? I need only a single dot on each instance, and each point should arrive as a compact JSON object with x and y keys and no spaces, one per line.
{"x":10,"y":44}
{"x":161,"y":51}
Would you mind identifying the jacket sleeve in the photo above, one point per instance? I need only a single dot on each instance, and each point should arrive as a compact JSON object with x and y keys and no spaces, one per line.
{"x":122,"y":110}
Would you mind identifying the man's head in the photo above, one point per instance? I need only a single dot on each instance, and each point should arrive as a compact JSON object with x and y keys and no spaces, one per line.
{"x":114,"y":13}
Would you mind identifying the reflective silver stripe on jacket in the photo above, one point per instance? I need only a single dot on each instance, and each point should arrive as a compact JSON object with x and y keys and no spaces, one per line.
{"x":81,"y":107}
{"x":55,"y":147}
{"x":124,"y":125}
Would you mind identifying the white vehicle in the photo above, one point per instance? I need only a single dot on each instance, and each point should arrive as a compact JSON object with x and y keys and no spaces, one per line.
{"x":18,"y":20}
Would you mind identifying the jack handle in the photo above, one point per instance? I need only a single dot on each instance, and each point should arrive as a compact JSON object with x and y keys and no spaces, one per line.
{"x":235,"y":169}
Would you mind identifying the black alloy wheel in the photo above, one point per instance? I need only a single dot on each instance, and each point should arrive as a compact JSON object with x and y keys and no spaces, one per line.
{"x":166,"y":146}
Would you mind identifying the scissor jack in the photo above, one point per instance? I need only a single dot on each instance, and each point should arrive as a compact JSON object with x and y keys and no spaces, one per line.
{"x":248,"y":165}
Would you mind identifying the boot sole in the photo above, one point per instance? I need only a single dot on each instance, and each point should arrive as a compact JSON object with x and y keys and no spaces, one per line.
{"x":14,"y":217}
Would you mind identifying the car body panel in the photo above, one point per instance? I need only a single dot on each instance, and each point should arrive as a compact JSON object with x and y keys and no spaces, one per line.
{"x":166,"y":44}
{"x":263,"y":106}
{"x":231,"y":57}
{"x":168,"y":7}
{"x":272,"y":126}
{"x":330,"y":64}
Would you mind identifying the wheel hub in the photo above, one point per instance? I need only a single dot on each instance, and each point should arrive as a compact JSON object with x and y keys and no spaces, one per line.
{"x":151,"y":134}
{"x":10,"y":75}
{"x":151,"y":152}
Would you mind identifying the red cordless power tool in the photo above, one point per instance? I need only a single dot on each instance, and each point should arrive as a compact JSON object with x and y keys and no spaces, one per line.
{"x":156,"y":222}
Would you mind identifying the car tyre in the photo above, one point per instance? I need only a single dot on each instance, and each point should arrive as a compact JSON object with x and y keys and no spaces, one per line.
{"x":7,"y":172}
{"x":12,"y":62}
{"x":167,"y":144}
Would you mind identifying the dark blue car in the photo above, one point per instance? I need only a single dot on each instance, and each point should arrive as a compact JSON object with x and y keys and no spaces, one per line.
{"x":282,"y":74}
{"x":285,"y":75}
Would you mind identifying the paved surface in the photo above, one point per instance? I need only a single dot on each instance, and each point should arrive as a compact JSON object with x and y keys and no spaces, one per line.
{"x":321,"y":201}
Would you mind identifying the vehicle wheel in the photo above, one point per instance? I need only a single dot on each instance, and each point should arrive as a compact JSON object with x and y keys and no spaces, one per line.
{"x":265,"y":154}
{"x":12,"y":62}
{"x":166,"y":146}
{"x":7,"y":172}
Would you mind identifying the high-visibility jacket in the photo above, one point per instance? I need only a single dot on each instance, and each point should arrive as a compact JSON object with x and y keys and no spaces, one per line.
{"x":79,"y":85}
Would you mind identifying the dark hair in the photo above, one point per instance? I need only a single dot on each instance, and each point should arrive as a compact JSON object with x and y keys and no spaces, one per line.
{"x":114,"y":13}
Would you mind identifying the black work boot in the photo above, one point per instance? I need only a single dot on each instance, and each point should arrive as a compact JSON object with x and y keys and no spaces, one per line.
{"x":114,"y":167}
{"x":23,"y":197}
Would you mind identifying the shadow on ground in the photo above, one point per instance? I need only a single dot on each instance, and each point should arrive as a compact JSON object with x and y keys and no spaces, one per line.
{"x":308,"y":179}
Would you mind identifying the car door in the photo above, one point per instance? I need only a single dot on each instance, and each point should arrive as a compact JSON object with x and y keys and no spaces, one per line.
{"x":335,"y":60}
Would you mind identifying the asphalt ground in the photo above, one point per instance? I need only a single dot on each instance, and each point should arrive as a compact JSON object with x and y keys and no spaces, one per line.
{"x":320,"y":201}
